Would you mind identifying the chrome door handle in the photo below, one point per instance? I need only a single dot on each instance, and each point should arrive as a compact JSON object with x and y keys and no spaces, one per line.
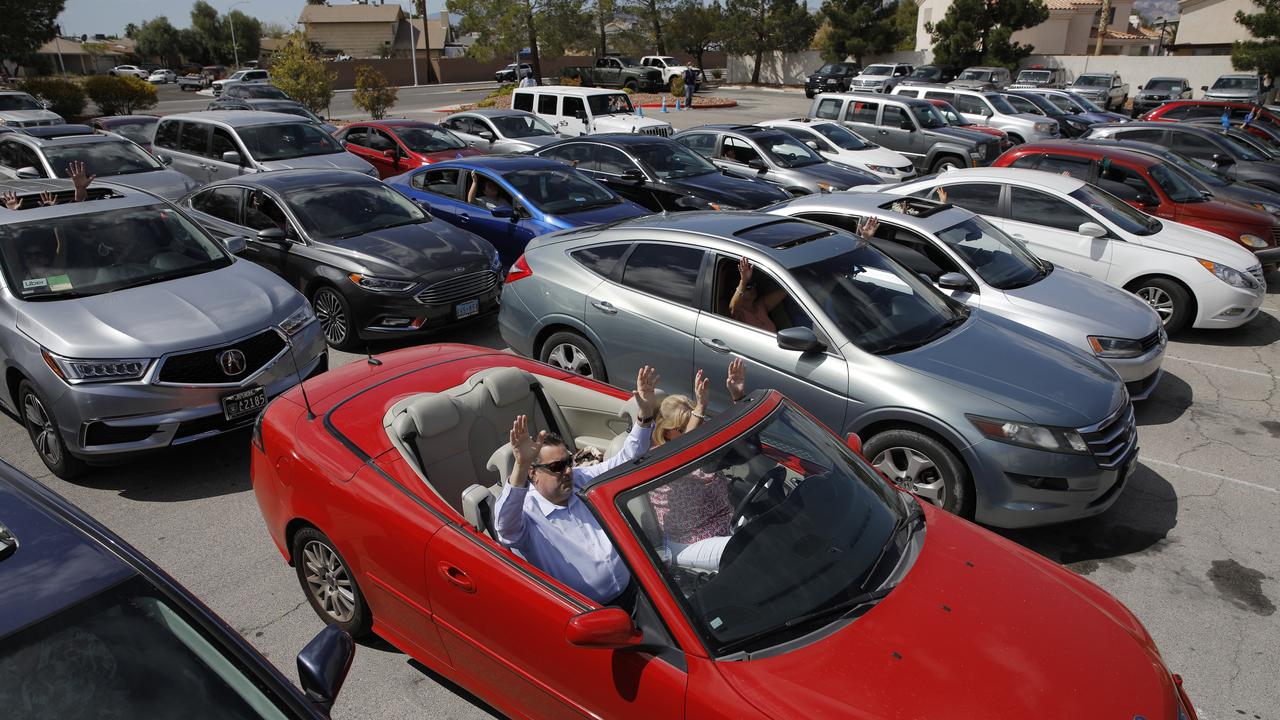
{"x":464,"y":218}
{"x":715,"y":344}
{"x":604,"y":307}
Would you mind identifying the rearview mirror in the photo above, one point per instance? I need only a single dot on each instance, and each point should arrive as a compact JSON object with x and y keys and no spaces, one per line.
{"x":323,"y":665}
{"x":799,"y":338}
{"x":28,"y":173}
{"x":1223,"y":159}
{"x":235,"y":244}
{"x":954,"y":281}
{"x":758,"y":165}
{"x":608,"y":628}
{"x":274,"y":235}
{"x":1092,"y":229}
{"x":231,"y":157}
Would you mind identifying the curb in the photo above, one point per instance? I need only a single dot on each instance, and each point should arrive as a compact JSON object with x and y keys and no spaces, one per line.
{"x":672,"y":108}
{"x":785,"y":90}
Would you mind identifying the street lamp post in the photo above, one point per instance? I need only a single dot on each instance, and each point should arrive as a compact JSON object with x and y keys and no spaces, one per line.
{"x":235,"y":52}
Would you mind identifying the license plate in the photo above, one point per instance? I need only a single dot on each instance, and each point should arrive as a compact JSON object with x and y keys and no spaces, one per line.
{"x":467,"y":309}
{"x":243,"y":403}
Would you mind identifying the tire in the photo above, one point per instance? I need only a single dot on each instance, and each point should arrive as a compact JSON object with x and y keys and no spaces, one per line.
{"x":334,"y":314}
{"x":945,"y":162}
{"x":631,"y":85}
{"x":923,"y":465}
{"x":1169,"y":298}
{"x":1016,"y":139}
{"x":571,"y":352}
{"x":42,"y":428}
{"x":329,"y":584}
{"x":808,"y":94}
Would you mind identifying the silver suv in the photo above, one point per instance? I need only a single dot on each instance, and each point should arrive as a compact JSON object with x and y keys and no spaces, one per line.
{"x":126,"y":328}
{"x":976,"y":413}
{"x":989,"y":108}
{"x":18,"y":110}
{"x":47,"y":152}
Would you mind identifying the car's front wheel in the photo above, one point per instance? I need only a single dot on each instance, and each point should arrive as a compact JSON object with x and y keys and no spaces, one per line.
{"x":573,"y":353}
{"x":334,"y":315}
{"x":42,"y":427}
{"x":1170,"y":300}
{"x":945,"y":163}
{"x":329,"y":584}
{"x":922,"y":465}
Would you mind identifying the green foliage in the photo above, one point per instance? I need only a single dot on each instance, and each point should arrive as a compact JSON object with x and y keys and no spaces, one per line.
{"x":159,"y":38}
{"x":716,"y":73}
{"x":1262,"y":53}
{"x":373,"y":94}
{"x":27,"y":25}
{"x":209,"y":37}
{"x":904,"y":24}
{"x":856,"y":28}
{"x":491,"y":99}
{"x":120,"y":95}
{"x":507,"y":26}
{"x":297,"y":71}
{"x":980,"y":32}
{"x":64,"y":97}
{"x":651,"y":14}
{"x":677,"y":86}
{"x":756,"y":27}
{"x":695,"y":28}
{"x":384,"y":50}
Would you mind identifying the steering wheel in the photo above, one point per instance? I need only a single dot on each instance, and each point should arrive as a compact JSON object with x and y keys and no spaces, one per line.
{"x":778,"y":473}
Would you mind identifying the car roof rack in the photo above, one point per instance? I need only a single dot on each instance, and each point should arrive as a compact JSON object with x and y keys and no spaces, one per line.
{"x":915,"y":207}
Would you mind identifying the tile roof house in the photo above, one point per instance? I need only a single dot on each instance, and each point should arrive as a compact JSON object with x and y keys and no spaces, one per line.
{"x":1070,"y":30}
{"x":359,"y":30}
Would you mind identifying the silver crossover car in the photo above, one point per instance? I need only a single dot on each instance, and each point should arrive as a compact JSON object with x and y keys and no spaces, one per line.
{"x":976,"y":413}
{"x":496,"y":130}
{"x":46,"y":152}
{"x":977,"y":264}
{"x":124,"y":327}
{"x":748,"y":151}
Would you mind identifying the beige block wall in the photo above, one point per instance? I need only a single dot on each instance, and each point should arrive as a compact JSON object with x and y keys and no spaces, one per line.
{"x":1049,"y":37}
{"x":1208,"y":23}
{"x":359,"y":40}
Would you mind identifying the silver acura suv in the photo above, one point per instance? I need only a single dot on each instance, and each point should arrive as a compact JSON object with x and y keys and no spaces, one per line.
{"x":979,"y":414}
{"x":124,"y":327}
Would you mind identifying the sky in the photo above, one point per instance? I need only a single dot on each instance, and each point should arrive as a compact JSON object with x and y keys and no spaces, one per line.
{"x":89,"y":17}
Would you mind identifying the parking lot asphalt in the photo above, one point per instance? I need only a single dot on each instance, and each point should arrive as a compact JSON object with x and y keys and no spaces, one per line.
{"x":1189,"y":547}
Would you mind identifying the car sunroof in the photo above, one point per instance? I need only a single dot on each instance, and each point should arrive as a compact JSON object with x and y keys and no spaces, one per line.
{"x":783,"y":233}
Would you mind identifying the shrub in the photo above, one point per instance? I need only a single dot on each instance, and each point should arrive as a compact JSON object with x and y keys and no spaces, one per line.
{"x":373,"y":94}
{"x":64,"y":97}
{"x":571,"y":81}
{"x":715,"y":74}
{"x":297,"y":71}
{"x":677,"y":86}
{"x":120,"y":95}
{"x":491,"y":99}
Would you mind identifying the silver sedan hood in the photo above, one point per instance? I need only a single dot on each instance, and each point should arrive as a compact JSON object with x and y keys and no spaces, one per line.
{"x":1066,"y":300}
{"x":168,"y":184}
{"x":340,"y":161}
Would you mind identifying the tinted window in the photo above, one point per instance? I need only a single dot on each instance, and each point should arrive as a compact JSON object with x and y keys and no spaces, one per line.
{"x":16,"y":156}
{"x":1150,"y":135}
{"x":1022,"y":104}
{"x":573,"y":107}
{"x":977,"y":198}
{"x":194,"y":139}
{"x":702,"y":143}
{"x":379,"y":141}
{"x":167,"y":135}
{"x":862,"y":112}
{"x":612,"y":160}
{"x":222,"y":203}
{"x":1124,"y":183}
{"x":1077,"y":168}
{"x":287,"y":141}
{"x":441,"y":182}
{"x":1037,"y":208}
{"x":909,"y":92}
{"x":828,"y":108}
{"x":668,"y":271}
{"x":970,"y":105}
{"x":547,"y":104}
{"x":357,"y":136}
{"x":425,"y":139}
{"x":338,"y":212}
{"x":578,"y":155}
{"x":601,"y":259}
{"x":222,"y":142}
{"x":523,"y":101}
{"x":560,"y":191}
{"x":1188,"y":144}
{"x":735,"y":150}
{"x":939,"y":95}
{"x":895,"y":117}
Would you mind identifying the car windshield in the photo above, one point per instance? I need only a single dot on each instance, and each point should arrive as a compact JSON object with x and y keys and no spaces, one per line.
{"x":287,"y":141}
{"x":998,"y":260}
{"x":842,"y":137}
{"x":1169,"y":85}
{"x":103,"y":158}
{"x":878,"y":70}
{"x":341,"y":212}
{"x":1044,"y":104}
{"x":950,"y":115}
{"x":1175,"y":185}
{"x":262,"y":92}
{"x":19,"y":101}
{"x":928,"y":116}
{"x":787,"y":151}
{"x":141,"y":132}
{"x":877,"y":304}
{"x":1103,"y":81}
{"x":522,"y":126}
{"x":1001,"y":105}
{"x":1192,"y":167}
{"x":924,"y":73}
{"x":128,"y":652}
{"x":428,"y":139}
{"x":1235,"y":83}
{"x":671,"y":160}
{"x":802,"y":533}
{"x":1085,"y":104}
{"x":238,"y":74}
{"x":1241,"y":150}
{"x":1032,"y":76}
{"x":1116,"y":211}
{"x":610,"y":104}
{"x":559,"y":191}
{"x":979,"y":75}
{"x":101,"y":252}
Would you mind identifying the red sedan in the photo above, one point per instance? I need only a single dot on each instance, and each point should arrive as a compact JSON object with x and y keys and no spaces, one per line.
{"x":1150,"y":185}
{"x":398,"y":146}
{"x":834,"y":594}
{"x":955,"y":119}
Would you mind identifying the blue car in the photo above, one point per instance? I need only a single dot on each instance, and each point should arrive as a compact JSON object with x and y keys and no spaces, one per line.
{"x":90,"y":628}
{"x":511,"y":199}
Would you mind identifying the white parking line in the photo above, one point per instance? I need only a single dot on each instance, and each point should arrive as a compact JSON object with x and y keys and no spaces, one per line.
{"x":1216,"y":476}
{"x":1215,"y":365}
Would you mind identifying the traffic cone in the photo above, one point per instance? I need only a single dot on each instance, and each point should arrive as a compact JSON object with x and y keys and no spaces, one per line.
{"x":639,"y":111}
{"x":664,"y":103}
{"x":678,"y":104}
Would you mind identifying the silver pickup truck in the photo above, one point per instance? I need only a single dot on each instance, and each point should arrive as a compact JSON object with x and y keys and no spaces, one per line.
{"x":1105,"y":89}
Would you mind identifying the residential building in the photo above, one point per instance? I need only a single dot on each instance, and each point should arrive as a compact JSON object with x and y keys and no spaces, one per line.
{"x":359,"y":30}
{"x":1208,"y":27}
{"x":1070,"y":30}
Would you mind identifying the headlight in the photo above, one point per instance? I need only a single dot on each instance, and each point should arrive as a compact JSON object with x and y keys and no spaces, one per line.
{"x":74,"y":370}
{"x":375,"y":284}
{"x":1268,"y":207}
{"x":1044,"y":127}
{"x":824,"y":187}
{"x":1040,"y":437}
{"x":495,"y":262}
{"x":298,"y":320}
{"x":1230,"y":276}
{"x":883,"y":169}
{"x":1252,"y":241}
{"x":1109,"y":347}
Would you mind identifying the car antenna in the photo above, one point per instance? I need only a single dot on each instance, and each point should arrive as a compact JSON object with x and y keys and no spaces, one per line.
{"x":301,"y":384}
{"x":370,"y":358}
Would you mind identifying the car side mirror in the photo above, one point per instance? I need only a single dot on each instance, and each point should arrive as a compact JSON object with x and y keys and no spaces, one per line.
{"x":1223,"y":159}
{"x":502,"y":212}
{"x":485,"y":135}
{"x":581,"y":115}
{"x":854,"y":443}
{"x":274,"y":236}
{"x":607,"y":628}
{"x":799,"y":338}
{"x":393,"y":153}
{"x":811,"y":144}
{"x":758,"y":165}
{"x":1145,"y":199}
{"x":29,"y":173}
{"x":905,"y":124}
{"x":633,"y":176}
{"x":1204,"y":88}
{"x":954,"y":281}
{"x":323,"y":665}
{"x":343,"y":142}
{"x":231,"y":157}
{"x":164,"y":158}
{"x":235,"y":244}
{"x":1093,"y":229}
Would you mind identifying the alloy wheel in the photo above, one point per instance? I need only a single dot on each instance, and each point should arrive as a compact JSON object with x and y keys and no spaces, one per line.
{"x":328,"y":582}
{"x":44,"y":435}
{"x":570,"y":357}
{"x":1158,"y":299}
{"x":332,"y":316}
{"x":912,"y":470}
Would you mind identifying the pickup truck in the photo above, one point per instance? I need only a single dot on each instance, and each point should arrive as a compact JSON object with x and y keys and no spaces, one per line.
{"x":194,"y":82}
{"x":669,"y":67}
{"x":1105,"y":89}
{"x":618,"y":72}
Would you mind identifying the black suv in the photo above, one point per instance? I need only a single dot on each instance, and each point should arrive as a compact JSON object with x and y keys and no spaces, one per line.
{"x":832,"y":77}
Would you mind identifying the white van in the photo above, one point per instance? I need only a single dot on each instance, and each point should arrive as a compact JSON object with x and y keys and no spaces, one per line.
{"x":586,"y":111}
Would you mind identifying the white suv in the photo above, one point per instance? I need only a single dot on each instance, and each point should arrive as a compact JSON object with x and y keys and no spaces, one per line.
{"x":586,"y":111}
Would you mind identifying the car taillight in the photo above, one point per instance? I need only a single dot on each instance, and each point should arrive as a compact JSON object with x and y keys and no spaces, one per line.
{"x":519,"y":271}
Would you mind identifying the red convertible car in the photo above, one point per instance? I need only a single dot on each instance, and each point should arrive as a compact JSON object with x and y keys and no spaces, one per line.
{"x":836,"y":595}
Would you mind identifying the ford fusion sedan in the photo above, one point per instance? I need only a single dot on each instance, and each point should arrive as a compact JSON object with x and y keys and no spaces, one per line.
{"x":509,"y":200}
{"x":749,"y":151}
{"x":661,"y":174}
{"x":1191,"y":277}
{"x":398,"y":146}
{"x":127,"y":328}
{"x":49,"y":152}
{"x":832,"y":586}
{"x":1036,"y":432}
{"x":837,"y":143}
{"x":372,"y":263}
{"x":497,"y":130}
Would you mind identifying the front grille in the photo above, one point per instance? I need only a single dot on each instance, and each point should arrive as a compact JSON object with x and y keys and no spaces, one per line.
{"x":1256,"y":273}
{"x":463,"y":287}
{"x":1275,"y":234}
{"x":202,"y":368}
{"x":1111,"y":440}
{"x":100,"y":433}
{"x":661,"y":131}
{"x":1150,"y":341}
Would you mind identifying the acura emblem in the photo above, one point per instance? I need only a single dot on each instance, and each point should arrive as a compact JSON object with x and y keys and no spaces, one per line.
{"x":232,"y":362}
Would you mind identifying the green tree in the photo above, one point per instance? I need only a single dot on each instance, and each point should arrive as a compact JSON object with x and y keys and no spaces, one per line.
{"x":131,"y":31}
{"x":373,"y":94}
{"x":210,"y":32}
{"x":975,"y":32}
{"x":654,"y":14}
{"x":158,"y":38}
{"x":27,"y":25}
{"x":1263,"y":52}
{"x":506,"y":27}
{"x":905,"y":17}
{"x":755,"y":27}
{"x":695,"y":28}
{"x":248,"y":35}
{"x":297,"y":70}
{"x":274,"y":30}
{"x":603,"y":12}
{"x":856,"y":28}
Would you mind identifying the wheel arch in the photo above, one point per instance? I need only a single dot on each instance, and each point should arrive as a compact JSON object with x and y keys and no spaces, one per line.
{"x":1132,"y":284}
{"x":291,"y":530}
{"x":557,"y":323}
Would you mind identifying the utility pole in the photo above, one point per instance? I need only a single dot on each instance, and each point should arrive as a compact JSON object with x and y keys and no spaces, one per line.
{"x":413,"y":46}
{"x":235,"y":52}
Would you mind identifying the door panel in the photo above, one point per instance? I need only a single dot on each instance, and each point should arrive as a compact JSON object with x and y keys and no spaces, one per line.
{"x":637,"y":329}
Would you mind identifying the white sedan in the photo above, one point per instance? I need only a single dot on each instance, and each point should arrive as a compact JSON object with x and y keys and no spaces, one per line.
{"x":1188,"y":275}
{"x":161,"y":77}
{"x":129,"y":70}
{"x":838,"y":143}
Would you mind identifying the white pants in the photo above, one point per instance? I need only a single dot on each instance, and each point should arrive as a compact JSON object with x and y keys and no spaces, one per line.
{"x":701,"y":555}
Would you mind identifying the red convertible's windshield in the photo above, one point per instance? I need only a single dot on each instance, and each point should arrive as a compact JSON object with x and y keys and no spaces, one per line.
{"x":779,"y":533}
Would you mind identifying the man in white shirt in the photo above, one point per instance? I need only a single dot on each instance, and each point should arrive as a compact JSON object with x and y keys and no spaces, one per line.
{"x":551,"y":527}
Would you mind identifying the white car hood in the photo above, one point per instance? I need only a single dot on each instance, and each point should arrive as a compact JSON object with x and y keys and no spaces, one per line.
{"x":1194,"y":242}
{"x":627,"y":123}
{"x":870,"y":156}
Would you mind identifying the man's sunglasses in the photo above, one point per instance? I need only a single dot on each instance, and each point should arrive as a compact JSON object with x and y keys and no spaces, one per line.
{"x":558,"y":467}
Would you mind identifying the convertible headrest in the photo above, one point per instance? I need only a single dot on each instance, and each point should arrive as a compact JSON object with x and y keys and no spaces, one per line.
{"x":508,"y":386}
{"x":433,"y":414}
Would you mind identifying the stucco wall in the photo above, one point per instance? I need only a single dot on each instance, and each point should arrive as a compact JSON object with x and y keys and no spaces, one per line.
{"x":778,"y":68}
{"x":359,"y":40}
{"x":1213,"y":22}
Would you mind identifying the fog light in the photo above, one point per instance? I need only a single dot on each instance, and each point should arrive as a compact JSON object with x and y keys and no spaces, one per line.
{"x":1232,"y":312}
{"x":1039,"y":483}
{"x":394,"y":322}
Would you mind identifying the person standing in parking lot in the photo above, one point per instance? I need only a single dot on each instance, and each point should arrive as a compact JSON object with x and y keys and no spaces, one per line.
{"x":690,"y":80}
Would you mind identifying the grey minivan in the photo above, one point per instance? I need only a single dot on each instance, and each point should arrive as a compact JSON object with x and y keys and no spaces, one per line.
{"x":215,"y":145}
{"x":125,"y":328}
{"x":976,"y":413}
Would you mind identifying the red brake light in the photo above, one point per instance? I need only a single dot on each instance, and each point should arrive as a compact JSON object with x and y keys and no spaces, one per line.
{"x":519,"y":271}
